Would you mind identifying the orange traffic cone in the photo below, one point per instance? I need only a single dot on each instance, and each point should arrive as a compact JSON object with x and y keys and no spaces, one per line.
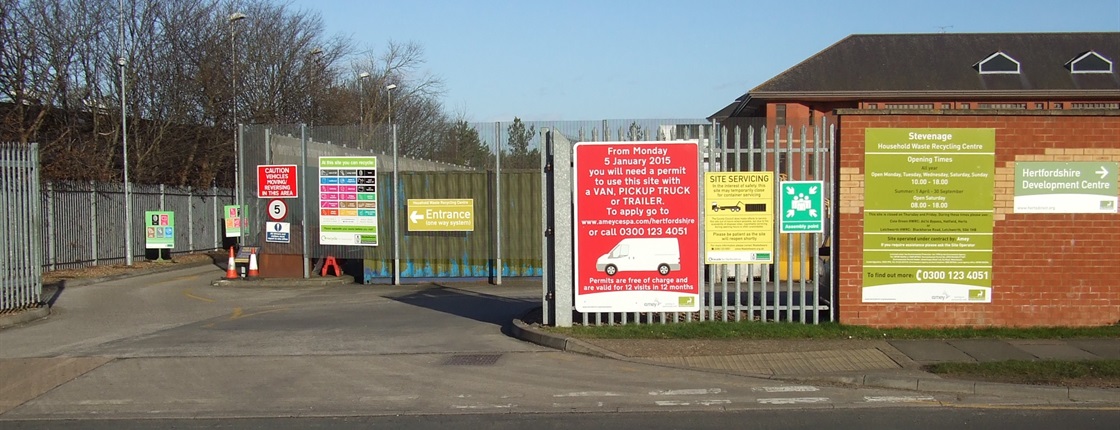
{"x":253,"y":273}
{"x":231,"y":267}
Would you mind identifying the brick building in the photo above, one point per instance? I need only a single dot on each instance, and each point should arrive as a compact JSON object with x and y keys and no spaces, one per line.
{"x":995,"y":236}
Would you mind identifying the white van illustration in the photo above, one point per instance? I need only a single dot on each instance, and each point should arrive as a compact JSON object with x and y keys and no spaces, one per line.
{"x":662,"y":254}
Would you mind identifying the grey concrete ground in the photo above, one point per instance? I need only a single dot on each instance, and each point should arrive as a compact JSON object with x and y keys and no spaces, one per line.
{"x":179,"y":345}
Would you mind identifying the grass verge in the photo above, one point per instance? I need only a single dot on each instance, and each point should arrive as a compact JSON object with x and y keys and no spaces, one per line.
{"x":1098,"y":374}
{"x":757,"y":330}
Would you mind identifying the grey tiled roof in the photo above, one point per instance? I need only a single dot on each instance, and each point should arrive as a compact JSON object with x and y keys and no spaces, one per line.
{"x":943,"y":65}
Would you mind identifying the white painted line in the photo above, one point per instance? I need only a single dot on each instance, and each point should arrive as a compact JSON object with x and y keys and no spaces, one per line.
{"x":898,"y":399}
{"x":507,"y":406}
{"x":789,"y":389}
{"x":396,"y":398}
{"x":793,"y":400}
{"x":690,"y":403}
{"x":588,"y":394}
{"x":689,"y":392}
{"x":573,"y":406}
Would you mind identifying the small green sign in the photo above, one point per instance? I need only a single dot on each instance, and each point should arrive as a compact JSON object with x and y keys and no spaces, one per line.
{"x":1066,"y":187}
{"x":802,"y":207}
{"x":159,"y":229}
{"x":232,"y":218}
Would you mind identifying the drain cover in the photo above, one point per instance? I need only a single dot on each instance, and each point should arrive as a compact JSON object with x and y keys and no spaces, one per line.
{"x":472,"y":360}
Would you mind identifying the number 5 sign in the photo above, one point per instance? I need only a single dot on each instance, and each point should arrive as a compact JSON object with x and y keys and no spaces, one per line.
{"x":277,"y":209}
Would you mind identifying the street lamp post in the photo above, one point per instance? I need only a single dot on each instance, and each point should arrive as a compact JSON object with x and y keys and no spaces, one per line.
{"x":124,"y":149}
{"x":233,"y":18}
{"x":314,"y":54}
{"x":396,"y":190}
{"x":362,"y":99}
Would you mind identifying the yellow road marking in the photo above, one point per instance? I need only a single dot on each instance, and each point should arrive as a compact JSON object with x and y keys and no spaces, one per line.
{"x":196,"y":297}
{"x":238,"y":313}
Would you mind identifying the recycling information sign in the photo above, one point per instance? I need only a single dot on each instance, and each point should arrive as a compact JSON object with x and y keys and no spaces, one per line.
{"x":802,"y":207}
{"x":1085,"y":187}
{"x":159,"y":229}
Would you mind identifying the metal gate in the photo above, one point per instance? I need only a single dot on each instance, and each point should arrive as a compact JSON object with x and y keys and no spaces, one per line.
{"x":21,"y":285}
{"x":798,"y":286}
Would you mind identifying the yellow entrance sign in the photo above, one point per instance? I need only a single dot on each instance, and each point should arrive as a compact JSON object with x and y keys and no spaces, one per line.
{"x":440,"y":214}
{"x":738,"y":217}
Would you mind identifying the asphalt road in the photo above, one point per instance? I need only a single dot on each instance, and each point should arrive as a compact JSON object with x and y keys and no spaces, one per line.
{"x":172,"y":349}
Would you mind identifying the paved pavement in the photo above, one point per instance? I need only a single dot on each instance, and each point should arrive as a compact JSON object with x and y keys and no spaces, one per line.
{"x":893,"y":364}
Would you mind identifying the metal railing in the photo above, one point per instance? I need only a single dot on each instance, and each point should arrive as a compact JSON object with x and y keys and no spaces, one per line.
{"x":20,"y":281}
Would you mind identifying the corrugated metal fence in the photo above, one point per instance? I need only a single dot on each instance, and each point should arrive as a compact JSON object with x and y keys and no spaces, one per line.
{"x":21,"y":285}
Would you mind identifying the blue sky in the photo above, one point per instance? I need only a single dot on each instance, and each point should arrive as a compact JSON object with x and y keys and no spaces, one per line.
{"x":613,"y":59}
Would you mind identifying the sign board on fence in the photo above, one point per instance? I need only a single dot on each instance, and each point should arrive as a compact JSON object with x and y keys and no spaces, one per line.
{"x":929,"y":215}
{"x":159,"y":229}
{"x":637,"y":235}
{"x":232,"y":218}
{"x":440,"y":214}
{"x":802,"y":207}
{"x":348,"y":201}
{"x":278,"y":232}
{"x":277,"y":181}
{"x":738,"y":217}
{"x":277,"y":209}
{"x":1082,"y":187}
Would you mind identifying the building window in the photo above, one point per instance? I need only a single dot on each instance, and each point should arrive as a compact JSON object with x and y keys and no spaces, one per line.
{"x":998,"y":63}
{"x":946,"y":105}
{"x":780,"y":114}
{"x":1003,"y":106}
{"x":1094,"y":105}
{"x":872,"y":105}
{"x":966,"y":106}
{"x":1089,"y":62}
{"x":909,"y":106}
{"x":1058,"y":106}
{"x":1040,"y":105}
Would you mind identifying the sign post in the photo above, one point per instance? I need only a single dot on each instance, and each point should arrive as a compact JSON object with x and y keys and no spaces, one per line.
{"x":637,"y":226}
{"x":232,"y":220}
{"x":159,"y":231}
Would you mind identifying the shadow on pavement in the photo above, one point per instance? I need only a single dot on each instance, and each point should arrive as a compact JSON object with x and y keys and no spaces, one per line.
{"x":487,"y":308}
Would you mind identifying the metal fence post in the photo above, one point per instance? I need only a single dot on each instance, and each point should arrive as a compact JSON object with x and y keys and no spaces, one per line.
{"x":93,"y":222}
{"x":498,"y":203}
{"x":300,"y":183}
{"x":217,"y":223}
{"x":190,"y":218}
{"x":49,"y":230}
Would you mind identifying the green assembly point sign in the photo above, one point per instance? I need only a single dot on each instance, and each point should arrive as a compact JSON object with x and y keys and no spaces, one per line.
{"x":159,"y":229}
{"x":929,"y":197}
{"x":802,"y":207}
{"x":1086,"y":187}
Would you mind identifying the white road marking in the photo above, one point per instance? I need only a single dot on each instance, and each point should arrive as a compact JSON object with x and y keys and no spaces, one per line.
{"x":506,"y":406}
{"x":588,"y":394}
{"x":572,"y":406}
{"x":789,"y":389}
{"x":689,"y":392}
{"x":897,"y":399}
{"x":692,"y":402}
{"x":397,"y":398}
{"x":793,"y":400}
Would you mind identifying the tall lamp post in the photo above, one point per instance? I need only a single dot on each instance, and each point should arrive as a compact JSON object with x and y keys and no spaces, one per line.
{"x":233,"y":18}
{"x":362,"y":99}
{"x":396,"y":190}
{"x":124,"y":149}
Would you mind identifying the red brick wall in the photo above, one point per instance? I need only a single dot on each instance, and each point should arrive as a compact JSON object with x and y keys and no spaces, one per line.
{"x":1048,"y":269}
